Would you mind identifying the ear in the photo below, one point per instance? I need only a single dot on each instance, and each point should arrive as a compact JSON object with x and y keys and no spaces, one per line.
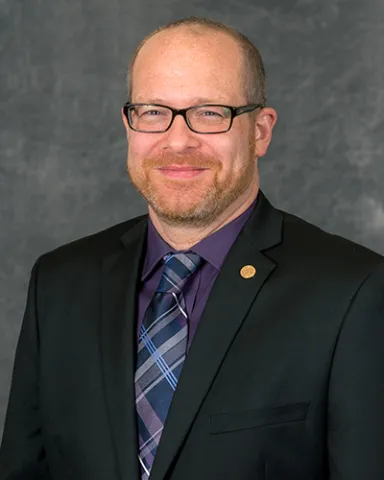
{"x":265,"y":121}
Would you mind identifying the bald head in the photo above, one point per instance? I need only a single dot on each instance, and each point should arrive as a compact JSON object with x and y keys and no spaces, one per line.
{"x":191,"y":38}
{"x":211,"y":59}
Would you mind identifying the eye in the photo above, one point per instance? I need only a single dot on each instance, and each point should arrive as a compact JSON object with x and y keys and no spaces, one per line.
{"x":210,"y":113}
{"x":152,"y":112}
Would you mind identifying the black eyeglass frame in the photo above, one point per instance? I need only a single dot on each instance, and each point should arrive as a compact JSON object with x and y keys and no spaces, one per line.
{"x":235,"y":111}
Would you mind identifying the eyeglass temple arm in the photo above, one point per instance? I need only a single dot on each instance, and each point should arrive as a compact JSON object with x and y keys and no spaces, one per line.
{"x":247,"y":108}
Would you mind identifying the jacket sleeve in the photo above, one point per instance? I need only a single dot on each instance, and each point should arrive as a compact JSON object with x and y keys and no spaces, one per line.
{"x":22,"y":454}
{"x":356,"y":388}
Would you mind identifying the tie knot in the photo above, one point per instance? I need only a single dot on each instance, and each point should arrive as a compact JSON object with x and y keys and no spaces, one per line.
{"x":177,"y":268}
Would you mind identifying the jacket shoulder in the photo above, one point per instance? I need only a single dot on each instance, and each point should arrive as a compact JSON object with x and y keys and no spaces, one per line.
{"x":92,"y":247}
{"x":314,"y":245}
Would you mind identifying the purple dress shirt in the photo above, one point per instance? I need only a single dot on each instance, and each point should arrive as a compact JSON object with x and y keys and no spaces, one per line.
{"x":213,"y":249}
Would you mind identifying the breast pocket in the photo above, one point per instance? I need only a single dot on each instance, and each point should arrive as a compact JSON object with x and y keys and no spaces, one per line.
{"x":260,"y":417}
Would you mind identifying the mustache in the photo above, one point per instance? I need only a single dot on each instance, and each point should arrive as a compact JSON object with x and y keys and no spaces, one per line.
{"x":197,"y":161}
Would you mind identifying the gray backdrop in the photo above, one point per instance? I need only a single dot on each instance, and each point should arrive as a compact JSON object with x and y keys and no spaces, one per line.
{"x":62,"y":143}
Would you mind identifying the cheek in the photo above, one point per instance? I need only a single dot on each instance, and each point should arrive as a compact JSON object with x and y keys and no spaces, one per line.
{"x":138,"y":148}
{"x":230,"y":155}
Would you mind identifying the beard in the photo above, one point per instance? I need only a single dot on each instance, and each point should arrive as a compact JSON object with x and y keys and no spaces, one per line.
{"x":193,"y":202}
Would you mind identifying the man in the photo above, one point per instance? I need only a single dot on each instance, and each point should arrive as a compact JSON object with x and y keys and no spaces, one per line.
{"x":217,"y":338}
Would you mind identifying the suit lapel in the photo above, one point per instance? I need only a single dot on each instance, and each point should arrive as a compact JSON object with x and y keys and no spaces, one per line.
{"x":121,"y":272}
{"x":227,"y":307}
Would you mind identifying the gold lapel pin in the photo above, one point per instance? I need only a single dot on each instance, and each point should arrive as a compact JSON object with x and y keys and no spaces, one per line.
{"x":248,"y":271}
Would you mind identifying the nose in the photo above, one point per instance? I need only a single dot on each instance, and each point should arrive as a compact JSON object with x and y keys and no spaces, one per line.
{"x":179,"y":137}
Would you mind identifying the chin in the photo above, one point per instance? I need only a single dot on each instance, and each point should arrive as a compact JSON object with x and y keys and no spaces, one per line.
{"x":177,"y":209}
{"x":184,"y":212}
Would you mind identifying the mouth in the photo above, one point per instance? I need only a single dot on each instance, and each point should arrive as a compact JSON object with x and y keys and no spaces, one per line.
{"x":185,"y":171}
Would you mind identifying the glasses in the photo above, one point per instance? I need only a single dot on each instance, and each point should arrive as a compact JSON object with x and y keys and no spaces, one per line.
{"x":154,"y":118}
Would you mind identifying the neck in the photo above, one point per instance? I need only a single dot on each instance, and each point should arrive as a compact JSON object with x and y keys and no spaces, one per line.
{"x":185,"y":237}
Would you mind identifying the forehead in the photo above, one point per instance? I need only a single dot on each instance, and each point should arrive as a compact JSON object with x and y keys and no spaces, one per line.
{"x":186,"y":63}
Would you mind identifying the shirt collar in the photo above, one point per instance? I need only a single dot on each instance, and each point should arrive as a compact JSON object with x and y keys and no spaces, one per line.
{"x":157,"y":248}
{"x":213,"y":248}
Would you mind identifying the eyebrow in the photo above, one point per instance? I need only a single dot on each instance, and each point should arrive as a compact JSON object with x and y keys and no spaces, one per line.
{"x":193,"y":101}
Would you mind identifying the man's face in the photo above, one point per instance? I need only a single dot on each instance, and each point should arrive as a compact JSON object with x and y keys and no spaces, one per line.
{"x":189,"y":178}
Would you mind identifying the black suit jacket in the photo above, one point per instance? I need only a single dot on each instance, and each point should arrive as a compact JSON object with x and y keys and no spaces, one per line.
{"x":284,"y":379}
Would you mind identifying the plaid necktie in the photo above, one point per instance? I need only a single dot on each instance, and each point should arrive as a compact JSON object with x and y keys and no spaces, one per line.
{"x":161,"y":353}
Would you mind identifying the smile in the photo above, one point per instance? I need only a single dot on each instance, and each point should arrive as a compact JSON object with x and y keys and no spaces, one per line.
{"x":181,"y":172}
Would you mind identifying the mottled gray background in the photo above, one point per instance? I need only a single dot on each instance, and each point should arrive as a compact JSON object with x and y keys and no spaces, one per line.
{"x":62,"y":144}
